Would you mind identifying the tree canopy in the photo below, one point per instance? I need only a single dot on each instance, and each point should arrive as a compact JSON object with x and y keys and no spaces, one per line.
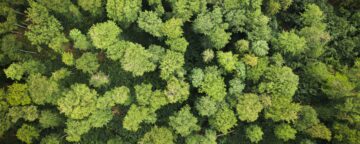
{"x":180,"y":71}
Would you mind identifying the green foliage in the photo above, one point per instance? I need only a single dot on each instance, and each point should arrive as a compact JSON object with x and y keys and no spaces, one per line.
{"x":248,"y":107}
{"x":177,"y":90}
{"x":223,"y":120}
{"x":10,"y":18}
{"x":17,"y":94}
{"x":49,"y":119}
{"x":179,"y":71}
{"x":68,"y":58}
{"x":44,"y":27}
{"x":319,"y":131}
{"x":177,"y":44}
{"x":227,"y":60}
{"x":119,"y":95}
{"x":158,"y":135}
{"x":260,"y":48}
{"x":42,"y":90}
{"x":137,"y":60}
{"x":307,"y":118}
{"x":150,"y":22}
{"x":242,"y":46}
{"x":290,"y":43}
{"x":80,"y":40}
{"x":208,"y":55}
{"x":78,"y":102}
{"x":123,"y":11}
{"x":87,"y":63}
{"x":284,"y":132}
{"x":206,"y":106}
{"x":27,"y":133}
{"x":172,"y":28}
{"x":50,"y":139}
{"x":104,"y":34}
{"x":279,"y":82}
{"x":184,"y":122}
{"x":94,"y":7}
{"x":171,"y":64}
{"x":136,"y":115}
{"x":254,"y":133}
{"x":213,"y":84}
{"x":208,"y":138}
{"x":99,"y":79}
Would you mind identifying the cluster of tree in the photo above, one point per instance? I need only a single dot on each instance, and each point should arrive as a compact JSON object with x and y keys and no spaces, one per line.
{"x":180,"y":71}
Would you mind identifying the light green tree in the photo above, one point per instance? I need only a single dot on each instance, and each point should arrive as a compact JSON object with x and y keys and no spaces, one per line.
{"x":78,"y":102}
{"x":184,"y":122}
{"x":123,"y":11}
{"x":254,"y":133}
{"x":248,"y":107}
{"x":285,"y":132}
{"x":87,"y":63}
{"x":137,"y":60}
{"x":158,"y":135}
{"x":27,"y":133}
{"x":104,"y":34}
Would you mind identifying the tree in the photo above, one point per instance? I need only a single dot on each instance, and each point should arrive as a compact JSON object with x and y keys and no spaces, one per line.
{"x":50,"y":139}
{"x":150,"y":22}
{"x":186,"y":9}
{"x":119,"y":95}
{"x":68,"y":58}
{"x":223,"y":120}
{"x":65,"y":8}
{"x":213,"y":84}
{"x":242,"y":46}
{"x":307,"y":118}
{"x":208,"y":55}
{"x":44,"y":27}
{"x":312,"y":15}
{"x":158,"y":135}
{"x":16,"y":70}
{"x":184,"y":122}
{"x":137,"y":115}
{"x":87,"y":63}
{"x":10,"y":19}
{"x":123,"y":11}
{"x":285,"y":132}
{"x":290,"y":44}
{"x":99,"y":79}
{"x":27,"y":133}
{"x":260,"y":48}
{"x":227,"y":60}
{"x":254,"y":133}
{"x":78,"y":102}
{"x":279,"y":82}
{"x":208,"y":138}
{"x":50,"y":119}
{"x":94,"y":7}
{"x":137,"y":60}
{"x":80,"y":40}
{"x":172,"y":28}
{"x":42,"y":90}
{"x":17,"y":94}
{"x":206,"y":106}
{"x":177,"y":90}
{"x":248,"y":107}
{"x":212,"y":26}
{"x":171,"y":64}
{"x":319,"y":131}
{"x":250,"y":60}
{"x":177,"y":44}
{"x":104,"y":34}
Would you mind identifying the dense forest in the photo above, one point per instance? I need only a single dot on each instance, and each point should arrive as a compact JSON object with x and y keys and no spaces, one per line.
{"x":180,"y":71}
